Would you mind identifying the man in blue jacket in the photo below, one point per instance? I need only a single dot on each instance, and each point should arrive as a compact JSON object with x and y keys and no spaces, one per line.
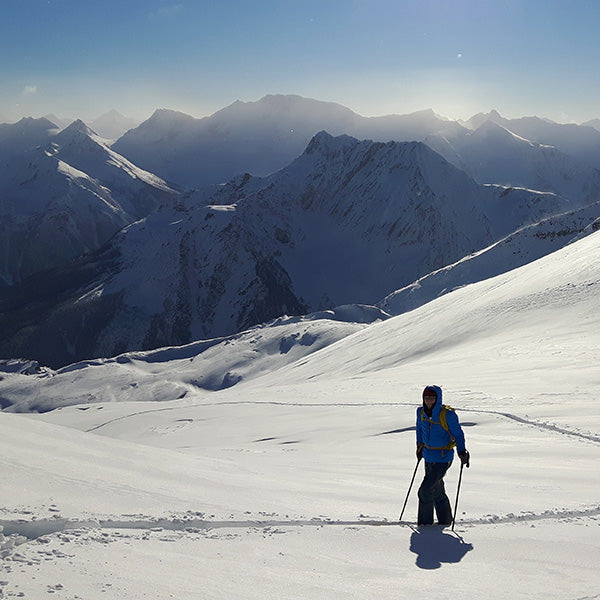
{"x":438,"y":431}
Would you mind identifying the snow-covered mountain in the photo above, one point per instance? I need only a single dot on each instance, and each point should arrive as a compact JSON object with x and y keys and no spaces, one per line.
{"x":257,"y":137}
{"x":64,"y":194}
{"x":595,"y":123}
{"x":579,"y":142}
{"x":519,"y":248}
{"x":60,"y":122}
{"x":494,"y":154}
{"x":347,"y":222}
{"x":112,"y":124}
{"x":262,"y":137}
{"x":24,"y":135}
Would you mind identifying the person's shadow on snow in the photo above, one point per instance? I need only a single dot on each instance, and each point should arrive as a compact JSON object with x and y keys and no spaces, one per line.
{"x":433,"y":547}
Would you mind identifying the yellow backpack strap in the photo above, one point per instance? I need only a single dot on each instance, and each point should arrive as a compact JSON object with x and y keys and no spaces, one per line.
{"x":444,"y":424}
{"x":443,"y":420}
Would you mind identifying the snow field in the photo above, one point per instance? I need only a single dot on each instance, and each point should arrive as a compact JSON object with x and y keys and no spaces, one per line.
{"x":322,"y":561}
{"x":288,"y":484}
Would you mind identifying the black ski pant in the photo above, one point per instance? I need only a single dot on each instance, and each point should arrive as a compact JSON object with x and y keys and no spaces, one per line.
{"x":433,"y":494}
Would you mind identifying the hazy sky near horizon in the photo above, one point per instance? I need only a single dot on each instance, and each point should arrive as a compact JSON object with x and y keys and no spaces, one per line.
{"x":80,"y":58}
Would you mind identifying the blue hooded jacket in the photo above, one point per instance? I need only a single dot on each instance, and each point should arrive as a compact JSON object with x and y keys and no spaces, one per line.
{"x":433,"y":436}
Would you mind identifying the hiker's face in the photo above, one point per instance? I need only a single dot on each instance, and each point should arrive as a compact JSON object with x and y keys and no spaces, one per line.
{"x":429,"y":401}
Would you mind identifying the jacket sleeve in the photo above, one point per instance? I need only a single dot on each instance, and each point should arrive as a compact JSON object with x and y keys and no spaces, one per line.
{"x":418,"y":428}
{"x":456,"y":430}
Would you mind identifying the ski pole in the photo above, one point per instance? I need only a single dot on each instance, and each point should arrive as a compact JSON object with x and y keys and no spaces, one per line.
{"x":457,"y":493}
{"x":409,"y":488}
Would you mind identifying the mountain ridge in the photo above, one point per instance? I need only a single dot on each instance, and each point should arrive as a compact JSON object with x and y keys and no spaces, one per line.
{"x":258,"y":137}
{"x":64,"y":195}
{"x":348,"y":221}
{"x":264,"y":136}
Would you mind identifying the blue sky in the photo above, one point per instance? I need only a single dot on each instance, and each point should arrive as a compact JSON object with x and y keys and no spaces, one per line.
{"x":80,"y":58}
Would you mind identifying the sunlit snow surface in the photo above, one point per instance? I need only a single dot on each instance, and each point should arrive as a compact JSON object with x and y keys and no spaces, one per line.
{"x":289,"y":483}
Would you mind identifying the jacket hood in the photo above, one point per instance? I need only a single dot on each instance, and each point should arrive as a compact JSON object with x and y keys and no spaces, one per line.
{"x":437,"y":407}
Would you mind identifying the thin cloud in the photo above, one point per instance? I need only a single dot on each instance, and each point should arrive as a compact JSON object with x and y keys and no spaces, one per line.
{"x":166,"y":11}
{"x":29,"y":90}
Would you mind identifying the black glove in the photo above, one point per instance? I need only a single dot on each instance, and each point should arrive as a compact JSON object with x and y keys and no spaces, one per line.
{"x":420,"y":451}
{"x":465,"y":457}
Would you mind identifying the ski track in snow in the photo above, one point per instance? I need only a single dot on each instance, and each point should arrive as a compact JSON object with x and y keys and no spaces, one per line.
{"x":538,"y":424}
{"x":233,"y":403}
{"x":33,"y":530}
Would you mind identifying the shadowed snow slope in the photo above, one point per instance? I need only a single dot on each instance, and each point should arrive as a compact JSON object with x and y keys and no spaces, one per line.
{"x":545,"y":311}
{"x":168,"y":373}
{"x":519,"y":248}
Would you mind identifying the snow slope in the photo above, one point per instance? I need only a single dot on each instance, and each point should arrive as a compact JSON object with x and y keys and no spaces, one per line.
{"x":521,"y":247}
{"x":288,"y":485}
{"x":211,"y":364}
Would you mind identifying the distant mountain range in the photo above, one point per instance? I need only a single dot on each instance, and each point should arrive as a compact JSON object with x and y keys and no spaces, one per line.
{"x":110,"y":125}
{"x":595,"y":123}
{"x":264,"y":136}
{"x":257,"y":137}
{"x":102,"y":251}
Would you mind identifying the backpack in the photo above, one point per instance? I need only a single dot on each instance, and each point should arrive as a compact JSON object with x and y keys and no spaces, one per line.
{"x":444,"y":423}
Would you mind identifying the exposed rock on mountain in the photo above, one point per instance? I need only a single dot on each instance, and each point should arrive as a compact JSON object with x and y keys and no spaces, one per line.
{"x":347,"y":222}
